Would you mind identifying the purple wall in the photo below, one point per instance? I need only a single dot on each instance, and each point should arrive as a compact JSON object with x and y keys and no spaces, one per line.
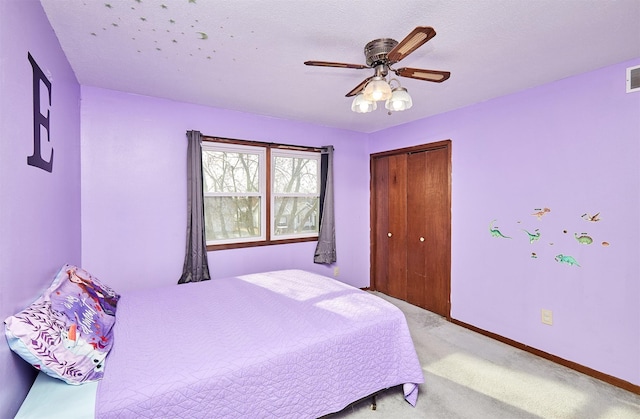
{"x":134,"y":190}
{"x":572,"y":146}
{"x":39,"y":210}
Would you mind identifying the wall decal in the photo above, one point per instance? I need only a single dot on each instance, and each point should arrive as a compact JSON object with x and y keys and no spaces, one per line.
{"x":39,"y":120}
{"x":495,"y":232}
{"x":555,"y":236}
{"x":161,"y":34}
{"x":533,"y":236}
{"x":540,"y":212}
{"x":592,"y":218}
{"x":583,"y":238}
{"x":569,"y":260}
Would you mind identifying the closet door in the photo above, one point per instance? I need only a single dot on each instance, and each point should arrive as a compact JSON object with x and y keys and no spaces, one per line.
{"x":428,"y":242}
{"x":411,"y":225}
{"x":389,"y":251}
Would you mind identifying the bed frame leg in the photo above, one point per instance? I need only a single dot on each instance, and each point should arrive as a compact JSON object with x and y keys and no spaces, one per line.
{"x":373,"y":402}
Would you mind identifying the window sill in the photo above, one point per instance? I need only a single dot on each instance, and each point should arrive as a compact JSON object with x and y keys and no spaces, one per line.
{"x":213,"y":247}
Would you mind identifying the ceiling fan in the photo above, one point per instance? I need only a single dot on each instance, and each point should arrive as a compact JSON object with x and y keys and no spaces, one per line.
{"x":380,"y":55}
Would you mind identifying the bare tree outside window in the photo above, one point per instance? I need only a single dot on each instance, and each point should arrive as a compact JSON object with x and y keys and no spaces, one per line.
{"x":231,"y":190}
{"x":296,"y":195}
{"x":235,"y":191}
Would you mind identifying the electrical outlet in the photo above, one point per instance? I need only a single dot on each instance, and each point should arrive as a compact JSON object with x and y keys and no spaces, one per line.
{"x":336,"y":271}
{"x":547,"y":317}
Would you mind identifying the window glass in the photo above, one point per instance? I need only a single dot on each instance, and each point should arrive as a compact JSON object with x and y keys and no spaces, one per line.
{"x":226,"y":171}
{"x":295,"y":175}
{"x":232,"y":217}
{"x":295,"y":215}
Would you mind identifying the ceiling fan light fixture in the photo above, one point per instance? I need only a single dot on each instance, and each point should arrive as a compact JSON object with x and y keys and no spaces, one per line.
{"x":380,"y":55}
{"x":361,"y":105}
{"x":377,"y":89}
{"x":400,"y":100}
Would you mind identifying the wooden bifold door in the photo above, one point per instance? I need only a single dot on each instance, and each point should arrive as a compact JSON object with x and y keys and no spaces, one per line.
{"x":411,"y":225}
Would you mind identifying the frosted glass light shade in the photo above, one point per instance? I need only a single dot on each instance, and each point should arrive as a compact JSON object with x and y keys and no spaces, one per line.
{"x":377,"y":89}
{"x":399,"y":100}
{"x":361,"y":105}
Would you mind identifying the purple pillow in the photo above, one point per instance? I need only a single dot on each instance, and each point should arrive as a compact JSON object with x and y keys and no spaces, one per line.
{"x":66,"y":332}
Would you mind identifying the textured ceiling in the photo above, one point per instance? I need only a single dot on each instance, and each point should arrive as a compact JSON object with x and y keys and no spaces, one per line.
{"x":248,"y":55}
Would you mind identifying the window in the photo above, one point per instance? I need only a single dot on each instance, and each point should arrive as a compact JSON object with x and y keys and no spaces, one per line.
{"x":295,"y":193}
{"x":256,"y":194}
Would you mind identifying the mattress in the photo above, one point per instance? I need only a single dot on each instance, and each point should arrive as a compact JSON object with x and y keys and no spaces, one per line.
{"x":285,"y":344}
{"x":54,"y":399}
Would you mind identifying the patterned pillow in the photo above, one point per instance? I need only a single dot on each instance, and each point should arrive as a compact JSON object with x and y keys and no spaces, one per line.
{"x":66,"y":332}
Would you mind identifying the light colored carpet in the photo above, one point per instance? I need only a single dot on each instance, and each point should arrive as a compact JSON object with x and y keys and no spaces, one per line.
{"x":468,"y":375}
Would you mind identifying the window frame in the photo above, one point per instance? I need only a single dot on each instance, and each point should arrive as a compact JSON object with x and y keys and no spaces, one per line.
{"x":261,"y":193}
{"x":266,"y":177}
{"x":280,"y":152}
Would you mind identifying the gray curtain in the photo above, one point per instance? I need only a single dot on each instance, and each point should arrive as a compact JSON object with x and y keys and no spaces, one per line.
{"x":326,"y":248}
{"x":196,"y":267}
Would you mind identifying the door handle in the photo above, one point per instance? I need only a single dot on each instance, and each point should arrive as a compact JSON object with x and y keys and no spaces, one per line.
{"x":421,"y":239}
{"x":389,"y":234}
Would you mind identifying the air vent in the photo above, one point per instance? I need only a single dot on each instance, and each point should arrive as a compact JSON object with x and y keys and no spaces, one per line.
{"x":633,"y":79}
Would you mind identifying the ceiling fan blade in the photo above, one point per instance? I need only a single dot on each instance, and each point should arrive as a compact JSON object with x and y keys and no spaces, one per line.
{"x":422,"y":74}
{"x":359,"y":87}
{"x":332,"y":64}
{"x":418,"y":37}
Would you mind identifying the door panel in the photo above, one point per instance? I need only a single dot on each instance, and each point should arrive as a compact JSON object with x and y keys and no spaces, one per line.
{"x":397,"y":234}
{"x":436,"y":210}
{"x":380,"y":212}
{"x":418,"y":234}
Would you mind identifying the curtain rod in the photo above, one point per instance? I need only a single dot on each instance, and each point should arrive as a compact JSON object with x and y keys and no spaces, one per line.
{"x":263,"y":143}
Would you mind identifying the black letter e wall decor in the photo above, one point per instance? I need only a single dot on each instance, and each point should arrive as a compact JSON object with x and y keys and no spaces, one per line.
{"x":39,"y":120}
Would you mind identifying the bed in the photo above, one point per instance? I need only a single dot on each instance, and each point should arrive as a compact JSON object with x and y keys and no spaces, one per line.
{"x":284,"y":344}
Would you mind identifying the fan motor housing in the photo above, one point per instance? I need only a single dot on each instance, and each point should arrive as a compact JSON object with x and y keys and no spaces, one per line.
{"x":376,"y":51}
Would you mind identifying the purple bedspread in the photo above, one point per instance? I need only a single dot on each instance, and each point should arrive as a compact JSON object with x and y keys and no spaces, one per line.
{"x":278,"y":344}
